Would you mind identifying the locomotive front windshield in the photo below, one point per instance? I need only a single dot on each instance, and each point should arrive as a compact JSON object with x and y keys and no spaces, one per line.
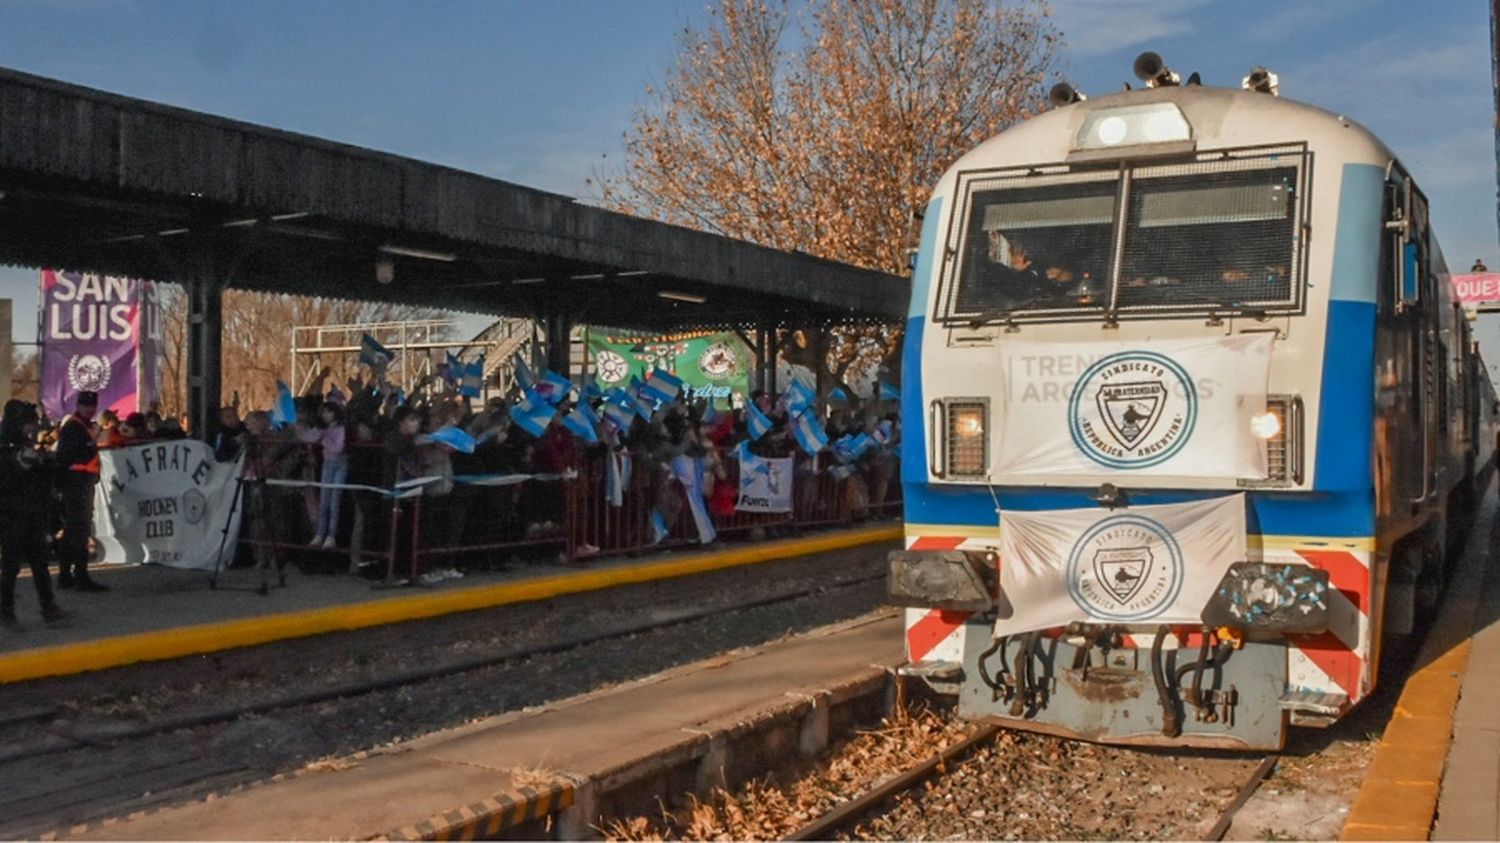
{"x":1218,"y":235}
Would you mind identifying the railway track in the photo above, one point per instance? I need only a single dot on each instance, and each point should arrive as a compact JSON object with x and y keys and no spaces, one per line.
{"x":846,"y":815}
{"x":65,"y":776}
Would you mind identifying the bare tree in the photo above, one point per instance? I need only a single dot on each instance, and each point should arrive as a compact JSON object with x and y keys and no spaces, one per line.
{"x":830,"y":148}
{"x":25,"y":382}
{"x":257,"y":339}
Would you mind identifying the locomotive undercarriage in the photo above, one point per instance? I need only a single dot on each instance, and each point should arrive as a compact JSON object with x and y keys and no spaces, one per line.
{"x":1088,"y":683}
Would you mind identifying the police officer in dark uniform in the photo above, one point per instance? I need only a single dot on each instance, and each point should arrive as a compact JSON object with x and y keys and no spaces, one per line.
{"x":78,"y":461}
{"x":25,"y":481}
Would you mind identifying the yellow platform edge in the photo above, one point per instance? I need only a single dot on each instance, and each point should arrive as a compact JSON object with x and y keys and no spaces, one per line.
{"x":117,"y":651}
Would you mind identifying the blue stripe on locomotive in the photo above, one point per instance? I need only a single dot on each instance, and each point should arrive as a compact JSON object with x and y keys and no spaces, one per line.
{"x":1342,"y":503}
{"x":914,"y":447}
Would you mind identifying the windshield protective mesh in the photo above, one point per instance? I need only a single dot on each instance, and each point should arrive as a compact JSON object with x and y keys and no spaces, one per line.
{"x":1201,"y":236}
{"x":1210,"y":236}
{"x":1037,"y":247}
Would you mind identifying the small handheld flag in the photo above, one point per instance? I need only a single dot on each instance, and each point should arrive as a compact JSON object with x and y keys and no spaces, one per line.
{"x":533,"y":414}
{"x":810,"y":436}
{"x":838,"y":394}
{"x":284,"y":411}
{"x":554,"y":387}
{"x":662,"y":386}
{"x":454,"y":437}
{"x":524,"y":376}
{"x":756,"y":422}
{"x":889,"y":392}
{"x":472,"y":377}
{"x":619,"y":408}
{"x":451,"y":369}
{"x":799,"y":396}
{"x":583,"y":423}
{"x":373,"y":354}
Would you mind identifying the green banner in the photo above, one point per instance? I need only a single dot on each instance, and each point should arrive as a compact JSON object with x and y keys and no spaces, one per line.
{"x":711,"y":365}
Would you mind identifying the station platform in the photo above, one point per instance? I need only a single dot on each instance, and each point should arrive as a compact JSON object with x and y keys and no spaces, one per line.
{"x":153,"y":613}
{"x":497,"y":774}
{"x":1436,"y":770}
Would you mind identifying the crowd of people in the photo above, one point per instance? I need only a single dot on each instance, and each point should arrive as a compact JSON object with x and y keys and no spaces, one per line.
{"x":318,"y":472}
{"x":337,"y":447}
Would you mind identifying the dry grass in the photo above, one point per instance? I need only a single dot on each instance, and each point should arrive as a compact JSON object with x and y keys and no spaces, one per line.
{"x":534,"y":777}
{"x":770,"y":808}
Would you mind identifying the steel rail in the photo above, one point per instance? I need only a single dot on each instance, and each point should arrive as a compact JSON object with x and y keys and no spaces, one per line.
{"x":1226,"y":819}
{"x":106,"y":735}
{"x":844,"y":813}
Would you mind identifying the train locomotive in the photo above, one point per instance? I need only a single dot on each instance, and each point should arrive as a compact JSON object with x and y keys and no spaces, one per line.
{"x":1200,"y":418}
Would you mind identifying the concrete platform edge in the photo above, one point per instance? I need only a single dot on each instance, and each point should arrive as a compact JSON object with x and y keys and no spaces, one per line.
{"x":1399,"y":800}
{"x":117,"y":651}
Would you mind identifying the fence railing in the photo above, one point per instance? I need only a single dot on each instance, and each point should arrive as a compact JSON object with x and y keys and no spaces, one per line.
{"x":570,"y":517}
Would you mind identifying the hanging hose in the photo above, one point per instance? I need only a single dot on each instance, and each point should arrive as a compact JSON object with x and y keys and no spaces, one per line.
{"x":1023,"y":678}
{"x":1195,"y":694}
{"x":1171,"y":726}
{"x":996,"y":683}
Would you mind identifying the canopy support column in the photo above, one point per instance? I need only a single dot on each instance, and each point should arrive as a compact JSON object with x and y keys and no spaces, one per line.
{"x":560,"y":344}
{"x":205,"y":352}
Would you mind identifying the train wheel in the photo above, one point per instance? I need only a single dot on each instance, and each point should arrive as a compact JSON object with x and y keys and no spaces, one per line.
{"x":1432,"y":577}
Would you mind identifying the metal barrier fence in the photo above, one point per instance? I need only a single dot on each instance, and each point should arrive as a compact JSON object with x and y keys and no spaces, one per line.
{"x":567,"y":517}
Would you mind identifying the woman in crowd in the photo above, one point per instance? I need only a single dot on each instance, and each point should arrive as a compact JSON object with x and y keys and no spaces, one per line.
{"x":329,"y":437}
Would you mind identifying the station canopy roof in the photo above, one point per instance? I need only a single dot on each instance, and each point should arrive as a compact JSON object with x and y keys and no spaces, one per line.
{"x":99,"y":182}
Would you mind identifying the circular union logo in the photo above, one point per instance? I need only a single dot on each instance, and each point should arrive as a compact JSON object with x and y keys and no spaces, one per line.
{"x":612,"y":367}
{"x":194,"y":506}
{"x":1125,"y":568}
{"x":719,"y":361}
{"x":88,"y":372}
{"x":1132,"y":410}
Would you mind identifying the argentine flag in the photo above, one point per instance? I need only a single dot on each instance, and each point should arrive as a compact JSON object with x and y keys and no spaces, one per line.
{"x":451,"y":369}
{"x":799,"y":397}
{"x":619,"y":408}
{"x":889,"y":393}
{"x":454,"y":437}
{"x":662,"y":386}
{"x":852,"y":447}
{"x":756,"y":422}
{"x":525,"y":378}
{"x":554,"y":387}
{"x":472,"y":376}
{"x":533,"y":414}
{"x":583,"y":423}
{"x":284,"y":411}
{"x":810,"y":435}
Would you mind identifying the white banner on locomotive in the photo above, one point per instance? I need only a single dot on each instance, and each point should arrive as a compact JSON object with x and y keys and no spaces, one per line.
{"x":1145,"y":564}
{"x":165,"y":503}
{"x":1167,"y":407}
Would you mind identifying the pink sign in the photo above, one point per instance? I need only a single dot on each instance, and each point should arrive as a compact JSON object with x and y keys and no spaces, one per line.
{"x":1477,"y":287}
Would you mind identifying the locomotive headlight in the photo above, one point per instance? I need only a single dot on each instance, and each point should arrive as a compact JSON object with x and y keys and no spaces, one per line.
{"x":969,"y":424}
{"x":968,"y":438}
{"x":1112,"y":130}
{"x":1265,"y":425}
{"x":1159,"y":122}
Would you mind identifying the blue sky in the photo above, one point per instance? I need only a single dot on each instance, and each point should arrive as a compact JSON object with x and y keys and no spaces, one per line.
{"x":540,"y":92}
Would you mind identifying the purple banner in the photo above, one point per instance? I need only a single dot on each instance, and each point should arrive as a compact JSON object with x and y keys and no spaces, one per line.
{"x":90,"y":326}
